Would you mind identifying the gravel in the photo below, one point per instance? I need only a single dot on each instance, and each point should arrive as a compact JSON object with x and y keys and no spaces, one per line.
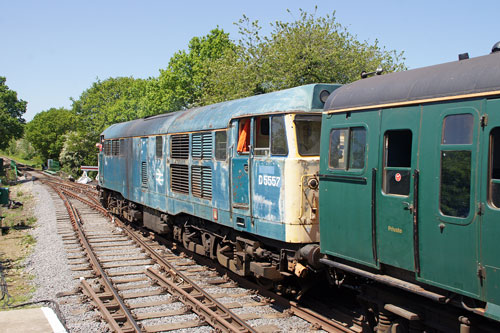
{"x":51,"y":270}
{"x":52,"y":274}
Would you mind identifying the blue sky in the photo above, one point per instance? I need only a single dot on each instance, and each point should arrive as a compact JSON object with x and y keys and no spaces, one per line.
{"x":53,"y":50}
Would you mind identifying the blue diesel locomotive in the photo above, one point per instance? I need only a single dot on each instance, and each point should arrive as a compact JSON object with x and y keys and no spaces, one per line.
{"x":235,"y":181}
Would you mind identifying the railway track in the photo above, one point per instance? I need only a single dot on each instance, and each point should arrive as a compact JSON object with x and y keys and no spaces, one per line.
{"x":139,"y":285}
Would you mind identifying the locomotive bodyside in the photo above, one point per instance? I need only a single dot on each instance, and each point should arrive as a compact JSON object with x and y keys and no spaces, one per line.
{"x":224,"y":178}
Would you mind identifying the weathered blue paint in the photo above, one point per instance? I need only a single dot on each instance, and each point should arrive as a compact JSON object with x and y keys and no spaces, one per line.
{"x":149,"y":184}
{"x":266,"y":184}
{"x":240,"y":181}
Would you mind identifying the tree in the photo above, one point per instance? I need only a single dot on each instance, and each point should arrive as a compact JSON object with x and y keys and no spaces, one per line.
{"x":46,"y":131}
{"x":105,"y":103}
{"x":309,"y":50}
{"x":110,"y":101}
{"x":181,"y":84}
{"x":78,"y":149}
{"x":11,"y":112}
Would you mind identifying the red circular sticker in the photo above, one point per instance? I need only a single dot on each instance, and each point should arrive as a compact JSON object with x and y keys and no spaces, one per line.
{"x":397,"y":177}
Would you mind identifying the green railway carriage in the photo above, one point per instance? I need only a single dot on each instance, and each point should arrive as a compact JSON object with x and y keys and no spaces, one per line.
{"x":410,"y":182}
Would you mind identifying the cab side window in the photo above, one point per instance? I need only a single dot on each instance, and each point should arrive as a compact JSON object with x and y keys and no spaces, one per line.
{"x":261,"y":136}
{"x":278,"y":136}
{"x":244,"y":136}
{"x":494,"y":168}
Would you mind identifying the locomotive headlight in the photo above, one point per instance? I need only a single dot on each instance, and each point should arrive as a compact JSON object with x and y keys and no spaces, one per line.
{"x":312,"y":183}
{"x":323,"y":96}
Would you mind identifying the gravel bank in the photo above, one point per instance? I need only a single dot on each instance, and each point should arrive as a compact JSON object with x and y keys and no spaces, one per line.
{"x":50,"y":268}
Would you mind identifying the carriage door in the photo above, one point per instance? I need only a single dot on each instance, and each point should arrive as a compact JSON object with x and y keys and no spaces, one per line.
{"x":397,"y":173}
{"x":490,"y":203}
{"x":241,"y":200}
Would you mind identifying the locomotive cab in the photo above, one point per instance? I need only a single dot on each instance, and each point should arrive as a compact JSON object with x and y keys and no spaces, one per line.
{"x":274,"y":166}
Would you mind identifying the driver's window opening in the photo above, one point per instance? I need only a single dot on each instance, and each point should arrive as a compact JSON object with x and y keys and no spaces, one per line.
{"x":308,"y":130}
{"x":494,"y":179}
{"x":244,"y":136}
{"x":261,"y":135}
{"x":397,"y":162}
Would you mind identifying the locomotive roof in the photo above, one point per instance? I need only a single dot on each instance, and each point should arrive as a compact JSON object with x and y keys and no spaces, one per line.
{"x":303,"y":99}
{"x":473,"y":77}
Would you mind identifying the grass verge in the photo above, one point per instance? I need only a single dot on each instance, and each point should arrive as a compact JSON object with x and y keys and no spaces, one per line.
{"x":16,"y":243}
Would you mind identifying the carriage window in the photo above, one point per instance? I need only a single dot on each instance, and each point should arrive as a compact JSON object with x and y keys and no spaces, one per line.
{"x":347,"y":148}
{"x":338,"y":138}
{"x":397,"y":162}
{"x":454,"y":198}
{"x":159,"y":146}
{"x":357,"y":145}
{"x":458,"y":129}
{"x":455,"y":183}
{"x":244,"y":136}
{"x":220,"y":145}
{"x":308,"y":130}
{"x":261,"y":136}
{"x":494,"y":178}
{"x":278,"y":136}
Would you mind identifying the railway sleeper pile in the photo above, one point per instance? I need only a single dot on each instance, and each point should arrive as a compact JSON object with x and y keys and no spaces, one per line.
{"x":139,"y":285}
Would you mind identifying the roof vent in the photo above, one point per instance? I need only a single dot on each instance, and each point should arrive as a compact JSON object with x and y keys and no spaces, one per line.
{"x":495,"y":47}
{"x":463,"y":56}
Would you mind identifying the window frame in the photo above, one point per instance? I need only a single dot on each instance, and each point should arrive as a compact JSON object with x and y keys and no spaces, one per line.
{"x":240,"y":129}
{"x":216,"y":145}
{"x":252,"y":139}
{"x":295,"y":121}
{"x":266,"y":151}
{"x":453,"y":147}
{"x":386,"y":168}
{"x":347,"y":149}
{"x":271,"y":145}
{"x":160,"y":146}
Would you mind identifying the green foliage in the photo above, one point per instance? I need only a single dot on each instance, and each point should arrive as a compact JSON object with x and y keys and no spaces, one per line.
{"x":309,"y":50}
{"x":11,"y":111}
{"x":182,"y":83}
{"x":46,"y":131}
{"x":213,"y":68}
{"x":110,"y":101}
{"x":78,"y":149}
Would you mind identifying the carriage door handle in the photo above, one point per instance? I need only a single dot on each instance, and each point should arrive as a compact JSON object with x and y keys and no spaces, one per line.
{"x":408,"y":206}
